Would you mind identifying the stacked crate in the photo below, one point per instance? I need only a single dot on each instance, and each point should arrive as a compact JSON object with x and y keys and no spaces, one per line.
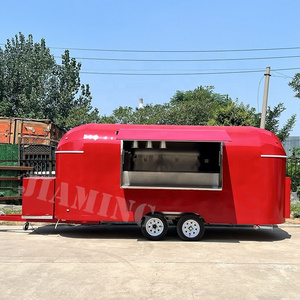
{"x":9,"y":179}
{"x":27,"y":147}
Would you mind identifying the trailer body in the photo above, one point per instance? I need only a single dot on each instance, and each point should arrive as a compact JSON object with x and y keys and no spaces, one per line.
{"x":193,"y":175}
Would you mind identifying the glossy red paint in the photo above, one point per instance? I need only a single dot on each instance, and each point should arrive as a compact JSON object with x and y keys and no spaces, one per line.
{"x":87,"y":187}
{"x":89,"y":167}
{"x":287,"y":207}
{"x":38,"y":197}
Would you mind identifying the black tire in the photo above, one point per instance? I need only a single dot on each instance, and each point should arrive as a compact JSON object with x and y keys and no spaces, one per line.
{"x":190,"y":228}
{"x":154,"y":226}
{"x":26,"y":226}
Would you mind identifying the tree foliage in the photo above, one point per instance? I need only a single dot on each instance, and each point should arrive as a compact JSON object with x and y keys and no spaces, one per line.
{"x":195,"y":107}
{"x":295,"y":84}
{"x":293,"y":170}
{"x":272,"y":122}
{"x":202,"y":106}
{"x":234,"y":114}
{"x":33,"y":85}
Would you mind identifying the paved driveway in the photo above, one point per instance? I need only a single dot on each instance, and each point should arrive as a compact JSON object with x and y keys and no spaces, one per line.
{"x":116,"y":262}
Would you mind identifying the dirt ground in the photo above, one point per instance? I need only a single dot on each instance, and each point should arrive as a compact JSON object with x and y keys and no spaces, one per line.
{"x":292,"y":221}
{"x":117,"y":262}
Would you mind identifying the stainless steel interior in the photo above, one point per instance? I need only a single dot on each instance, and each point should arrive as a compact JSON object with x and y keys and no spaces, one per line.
{"x":179,"y":165}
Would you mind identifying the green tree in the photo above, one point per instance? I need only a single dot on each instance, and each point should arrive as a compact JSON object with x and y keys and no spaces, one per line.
{"x":82,"y":111}
{"x":234,"y":114}
{"x":202,"y":106}
{"x":295,"y":85}
{"x":272,"y":122}
{"x":200,"y":94}
{"x":293,"y":170}
{"x":196,"y":107}
{"x":33,"y":85}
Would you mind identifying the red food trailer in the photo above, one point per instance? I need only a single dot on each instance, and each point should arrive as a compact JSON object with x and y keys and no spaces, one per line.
{"x":194,"y":176}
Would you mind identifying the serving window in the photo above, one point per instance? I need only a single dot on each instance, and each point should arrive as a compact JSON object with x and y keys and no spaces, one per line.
{"x":171,"y":165}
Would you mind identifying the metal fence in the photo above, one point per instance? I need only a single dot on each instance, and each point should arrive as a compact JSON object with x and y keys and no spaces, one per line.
{"x":38,"y":153}
{"x":293,"y":171}
{"x":33,"y":156}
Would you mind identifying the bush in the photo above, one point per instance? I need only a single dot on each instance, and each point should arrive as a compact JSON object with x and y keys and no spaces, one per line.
{"x":295,"y":210}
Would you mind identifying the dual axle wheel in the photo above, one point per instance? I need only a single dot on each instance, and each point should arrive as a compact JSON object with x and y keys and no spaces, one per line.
{"x":189,"y":227}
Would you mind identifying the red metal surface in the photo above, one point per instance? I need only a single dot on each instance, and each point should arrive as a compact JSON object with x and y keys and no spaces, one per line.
{"x":88,"y":180}
{"x":287,"y":206}
{"x":38,"y":197}
{"x":21,"y":218}
{"x":12,"y":217}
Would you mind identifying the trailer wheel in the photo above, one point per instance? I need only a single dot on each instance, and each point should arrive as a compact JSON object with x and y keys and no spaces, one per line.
{"x":190,"y":228}
{"x":26,"y":226}
{"x":154,"y":227}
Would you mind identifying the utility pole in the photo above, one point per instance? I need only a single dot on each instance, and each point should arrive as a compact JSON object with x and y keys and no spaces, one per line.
{"x":265,"y":100}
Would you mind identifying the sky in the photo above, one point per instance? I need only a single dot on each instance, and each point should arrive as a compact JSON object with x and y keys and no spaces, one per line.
{"x":164,"y":35}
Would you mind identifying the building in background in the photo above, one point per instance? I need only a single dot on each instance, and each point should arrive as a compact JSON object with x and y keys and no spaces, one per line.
{"x":290,"y":143}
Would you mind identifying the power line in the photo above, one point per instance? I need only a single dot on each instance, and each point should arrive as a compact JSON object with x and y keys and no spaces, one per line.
{"x":166,"y":74}
{"x":281,"y":75}
{"x":184,"y":60}
{"x":167,"y":70}
{"x":176,"y":51}
{"x":185,"y":74}
{"x":172,"y":51}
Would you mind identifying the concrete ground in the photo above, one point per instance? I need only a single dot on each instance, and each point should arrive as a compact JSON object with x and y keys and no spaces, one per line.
{"x":117,"y":262}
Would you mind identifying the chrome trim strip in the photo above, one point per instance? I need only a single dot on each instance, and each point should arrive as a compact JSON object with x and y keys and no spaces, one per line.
{"x":273,"y":156}
{"x":171,"y":188}
{"x":38,"y":217}
{"x":75,"y":152}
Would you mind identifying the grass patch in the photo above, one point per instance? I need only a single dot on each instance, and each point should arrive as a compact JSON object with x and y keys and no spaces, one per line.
{"x":12,"y":210}
{"x":295,"y":210}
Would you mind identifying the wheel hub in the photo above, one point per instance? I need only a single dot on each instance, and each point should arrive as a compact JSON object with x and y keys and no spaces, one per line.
{"x":154,"y":226}
{"x":190,"y":228}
